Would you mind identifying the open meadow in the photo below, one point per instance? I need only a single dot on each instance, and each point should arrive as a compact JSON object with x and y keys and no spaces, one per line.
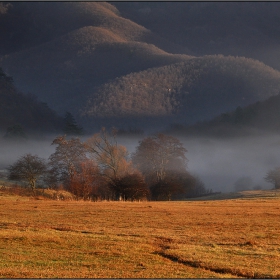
{"x":223,"y":238}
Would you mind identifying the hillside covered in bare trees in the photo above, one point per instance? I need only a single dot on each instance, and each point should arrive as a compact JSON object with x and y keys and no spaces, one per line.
{"x":128,"y":64}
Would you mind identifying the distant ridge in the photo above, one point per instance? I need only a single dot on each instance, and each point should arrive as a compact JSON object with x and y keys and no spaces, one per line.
{"x":223,"y":83}
{"x":259,"y":118}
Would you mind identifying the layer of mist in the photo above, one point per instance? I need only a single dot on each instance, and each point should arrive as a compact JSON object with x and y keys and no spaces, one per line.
{"x":219,"y":163}
{"x":10,"y":150}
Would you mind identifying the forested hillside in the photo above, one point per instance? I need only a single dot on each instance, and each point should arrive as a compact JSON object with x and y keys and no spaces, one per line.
{"x":259,"y":118}
{"x":70,"y":73}
{"x":169,"y":62}
{"x":28,"y":25}
{"x":26,"y":111}
{"x":198,"y":88}
{"x":96,"y":46}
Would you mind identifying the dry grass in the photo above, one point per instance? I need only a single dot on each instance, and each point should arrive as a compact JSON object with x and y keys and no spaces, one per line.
{"x":192,"y":239}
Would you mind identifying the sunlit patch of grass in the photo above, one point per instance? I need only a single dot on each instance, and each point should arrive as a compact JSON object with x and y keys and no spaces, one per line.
{"x":195,"y":239}
{"x":93,"y":256}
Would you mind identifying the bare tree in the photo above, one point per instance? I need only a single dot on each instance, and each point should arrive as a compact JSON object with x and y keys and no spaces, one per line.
{"x":66,"y":159}
{"x":161,"y":158}
{"x":273,"y":176}
{"x":29,"y":168}
{"x":85,"y":182}
{"x":111,"y":157}
{"x":157,"y":154}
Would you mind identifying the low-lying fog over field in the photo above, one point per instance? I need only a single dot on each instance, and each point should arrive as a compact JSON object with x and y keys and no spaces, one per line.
{"x":11,"y":150}
{"x":218,"y":163}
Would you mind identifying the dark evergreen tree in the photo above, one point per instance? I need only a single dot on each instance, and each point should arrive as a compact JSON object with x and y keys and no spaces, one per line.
{"x":70,"y":126}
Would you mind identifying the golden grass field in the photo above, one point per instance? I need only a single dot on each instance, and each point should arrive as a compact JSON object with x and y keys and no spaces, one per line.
{"x":226,"y":238}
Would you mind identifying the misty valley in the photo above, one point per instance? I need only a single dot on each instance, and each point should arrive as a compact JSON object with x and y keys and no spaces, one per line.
{"x":111,"y":65}
{"x":223,"y":165}
{"x":139,"y":139}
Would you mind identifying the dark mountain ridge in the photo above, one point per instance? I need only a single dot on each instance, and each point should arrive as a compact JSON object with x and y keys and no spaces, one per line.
{"x":259,"y":118}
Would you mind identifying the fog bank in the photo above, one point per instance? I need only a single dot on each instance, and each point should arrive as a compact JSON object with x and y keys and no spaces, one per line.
{"x":220,"y":163}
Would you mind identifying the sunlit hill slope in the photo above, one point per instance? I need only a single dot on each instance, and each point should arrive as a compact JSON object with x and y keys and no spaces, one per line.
{"x":108,"y":61}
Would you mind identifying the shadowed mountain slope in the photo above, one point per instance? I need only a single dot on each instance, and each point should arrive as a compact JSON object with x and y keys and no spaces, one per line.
{"x":19,"y":109}
{"x":259,"y":118}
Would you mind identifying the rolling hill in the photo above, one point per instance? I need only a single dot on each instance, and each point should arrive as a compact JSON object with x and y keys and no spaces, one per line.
{"x":31,"y":24}
{"x":127,"y":63}
{"x":55,"y":72}
{"x":259,"y":118}
{"x":68,"y":66}
{"x":183,"y":89}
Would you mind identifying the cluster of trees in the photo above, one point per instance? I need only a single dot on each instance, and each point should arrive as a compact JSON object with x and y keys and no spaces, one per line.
{"x":100,"y":169}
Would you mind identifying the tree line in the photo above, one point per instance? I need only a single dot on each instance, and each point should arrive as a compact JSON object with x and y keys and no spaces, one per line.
{"x":101,"y":169}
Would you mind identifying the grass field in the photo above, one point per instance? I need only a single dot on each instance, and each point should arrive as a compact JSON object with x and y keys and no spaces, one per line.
{"x":224,"y":238}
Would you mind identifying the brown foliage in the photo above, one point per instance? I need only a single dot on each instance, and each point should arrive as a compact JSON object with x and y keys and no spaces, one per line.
{"x":85,"y":182}
{"x":109,"y":155}
{"x":175,"y":185}
{"x":131,"y":187}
